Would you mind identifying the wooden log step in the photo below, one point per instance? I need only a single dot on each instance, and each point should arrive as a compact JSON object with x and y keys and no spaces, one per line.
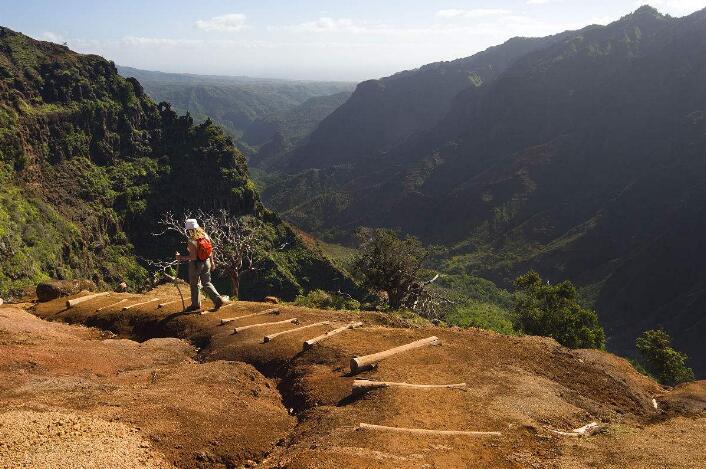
{"x":296,"y":329}
{"x":264,"y":324}
{"x":162,"y":305}
{"x":587,"y":430}
{"x":359,"y":363}
{"x":83,"y":299}
{"x":125,"y":308}
{"x":260,"y":313}
{"x":112,"y":304}
{"x":423,"y":431}
{"x":310,"y":343}
{"x":361,"y":386}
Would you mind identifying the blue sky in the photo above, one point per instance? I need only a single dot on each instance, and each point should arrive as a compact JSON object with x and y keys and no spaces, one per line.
{"x":305,"y":39}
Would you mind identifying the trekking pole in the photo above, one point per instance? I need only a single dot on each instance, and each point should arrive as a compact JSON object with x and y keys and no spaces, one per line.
{"x":176,"y":284}
{"x":175,"y":279}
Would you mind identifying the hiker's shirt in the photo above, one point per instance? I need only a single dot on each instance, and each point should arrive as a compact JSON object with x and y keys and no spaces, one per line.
{"x":193,"y":249}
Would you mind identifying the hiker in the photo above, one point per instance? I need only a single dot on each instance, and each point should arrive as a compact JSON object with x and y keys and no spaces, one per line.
{"x":201,"y":264}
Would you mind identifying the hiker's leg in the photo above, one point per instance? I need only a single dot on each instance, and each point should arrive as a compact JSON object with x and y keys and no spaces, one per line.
{"x":194,"y":283}
{"x":207,"y":285}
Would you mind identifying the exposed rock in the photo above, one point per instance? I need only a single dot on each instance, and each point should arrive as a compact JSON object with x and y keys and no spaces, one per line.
{"x":122,"y":288}
{"x":271,"y":299}
{"x":53,"y":289}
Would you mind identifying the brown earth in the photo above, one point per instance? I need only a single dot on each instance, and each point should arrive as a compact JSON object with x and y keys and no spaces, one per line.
{"x":523,"y":387}
{"x":184,"y":412}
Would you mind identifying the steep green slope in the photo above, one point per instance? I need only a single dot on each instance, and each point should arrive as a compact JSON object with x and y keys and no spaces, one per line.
{"x":88,"y":163}
{"x":384,"y":113}
{"x":583,"y":159}
{"x":242,"y":105}
{"x":278,"y":134}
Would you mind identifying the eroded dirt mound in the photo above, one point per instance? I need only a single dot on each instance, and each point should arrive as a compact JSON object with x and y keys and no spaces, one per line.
{"x":687,"y":399}
{"x":214,"y":414}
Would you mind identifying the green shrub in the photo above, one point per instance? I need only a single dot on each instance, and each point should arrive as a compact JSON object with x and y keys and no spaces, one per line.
{"x":481,"y":315}
{"x":663,"y":362}
{"x":389,"y":263}
{"x":554,"y":311}
{"x":325,"y":300}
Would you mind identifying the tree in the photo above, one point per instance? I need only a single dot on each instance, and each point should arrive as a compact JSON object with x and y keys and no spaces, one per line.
{"x":235,"y":241}
{"x":663,"y":362}
{"x":389,"y":263}
{"x":554,"y":311}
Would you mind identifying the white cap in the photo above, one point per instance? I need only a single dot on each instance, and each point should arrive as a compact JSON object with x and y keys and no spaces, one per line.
{"x":191,"y":224}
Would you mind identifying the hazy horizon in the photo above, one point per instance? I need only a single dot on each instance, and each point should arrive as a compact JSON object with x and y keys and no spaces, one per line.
{"x":312,"y":40}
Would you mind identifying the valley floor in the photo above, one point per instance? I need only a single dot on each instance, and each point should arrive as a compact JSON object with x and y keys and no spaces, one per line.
{"x":163,"y":389}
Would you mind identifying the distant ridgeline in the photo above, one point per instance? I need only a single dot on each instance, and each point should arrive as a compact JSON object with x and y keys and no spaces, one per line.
{"x":88,"y":163}
{"x":256,"y":111}
{"x":582,"y":155}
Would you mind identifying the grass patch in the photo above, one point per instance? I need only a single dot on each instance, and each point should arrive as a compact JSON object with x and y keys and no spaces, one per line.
{"x":482,"y":315}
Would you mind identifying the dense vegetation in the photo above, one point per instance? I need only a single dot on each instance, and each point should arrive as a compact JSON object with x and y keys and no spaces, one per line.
{"x":578,"y":155}
{"x":89,"y":163}
{"x":663,"y":362}
{"x":554,"y":311}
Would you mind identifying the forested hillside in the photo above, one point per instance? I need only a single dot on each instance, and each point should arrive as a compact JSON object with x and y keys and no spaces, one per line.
{"x":251,"y":109}
{"x":89,"y":163}
{"x":579,"y":155}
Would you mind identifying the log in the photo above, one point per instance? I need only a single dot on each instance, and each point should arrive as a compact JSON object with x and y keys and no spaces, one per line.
{"x":361,"y":386}
{"x":264,"y":324}
{"x":112,"y":304}
{"x":587,"y":430}
{"x":359,"y":363}
{"x":261,"y":313}
{"x":232,"y":303}
{"x":297,"y":329}
{"x":310,"y":343}
{"x":162,"y":305}
{"x":82,"y":299}
{"x":125,"y":308}
{"x":422,"y":431}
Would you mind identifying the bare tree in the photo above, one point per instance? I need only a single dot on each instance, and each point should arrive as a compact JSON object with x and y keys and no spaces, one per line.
{"x":235,"y":241}
{"x":166,"y":270}
{"x":426,"y":302}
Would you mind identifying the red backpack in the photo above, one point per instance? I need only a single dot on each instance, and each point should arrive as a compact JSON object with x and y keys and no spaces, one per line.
{"x":204,"y":248}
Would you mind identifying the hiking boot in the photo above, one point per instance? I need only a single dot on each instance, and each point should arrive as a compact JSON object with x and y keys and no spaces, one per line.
{"x":192,"y":309}
{"x":220,"y":303}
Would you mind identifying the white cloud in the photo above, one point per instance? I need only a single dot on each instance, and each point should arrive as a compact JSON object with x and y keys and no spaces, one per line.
{"x":676,"y":7}
{"x":157,"y":41}
{"x":542,"y":2}
{"x":325,"y":24}
{"x":474,"y":13}
{"x":52,"y":37}
{"x":232,"y":22}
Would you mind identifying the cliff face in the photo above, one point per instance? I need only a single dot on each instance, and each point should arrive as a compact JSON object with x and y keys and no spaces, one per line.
{"x":89,"y":163}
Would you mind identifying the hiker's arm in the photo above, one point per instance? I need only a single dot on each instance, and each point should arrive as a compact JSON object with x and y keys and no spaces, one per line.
{"x":192,"y":253}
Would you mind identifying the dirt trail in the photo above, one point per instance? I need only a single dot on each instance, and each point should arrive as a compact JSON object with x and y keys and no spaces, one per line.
{"x":522,"y":387}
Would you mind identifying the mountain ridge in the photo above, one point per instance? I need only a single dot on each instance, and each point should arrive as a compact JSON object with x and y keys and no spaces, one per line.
{"x":576,"y":161}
